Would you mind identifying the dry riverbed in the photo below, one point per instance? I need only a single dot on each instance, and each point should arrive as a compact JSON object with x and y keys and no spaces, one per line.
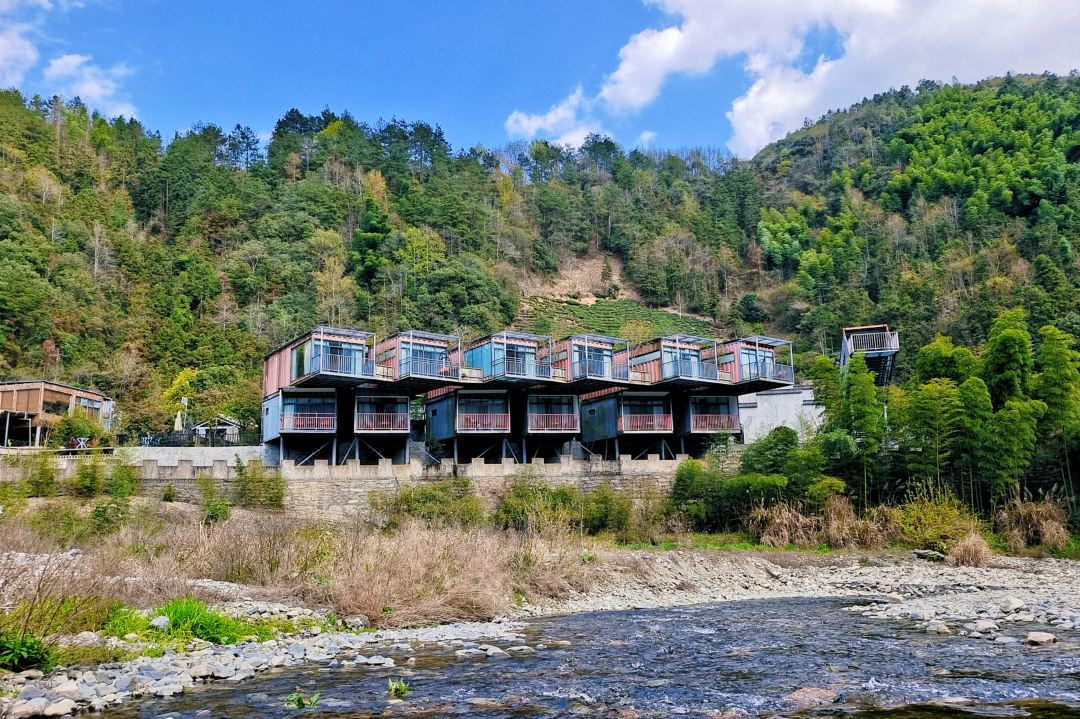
{"x":934,"y":597}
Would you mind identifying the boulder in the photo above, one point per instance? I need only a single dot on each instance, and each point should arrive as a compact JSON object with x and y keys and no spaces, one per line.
{"x":160,"y":623}
{"x":894,"y":598}
{"x":201,"y":671}
{"x":982,"y":626}
{"x":937,"y":627}
{"x":59,"y":708}
{"x":1010,"y":604}
{"x":356,"y":621}
{"x":1041,"y":638}
{"x":28,"y":708}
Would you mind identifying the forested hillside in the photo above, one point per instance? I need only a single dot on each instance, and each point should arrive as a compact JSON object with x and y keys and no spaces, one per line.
{"x":126,"y":258}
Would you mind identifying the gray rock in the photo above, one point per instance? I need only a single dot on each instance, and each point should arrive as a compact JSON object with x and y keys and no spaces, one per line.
{"x":160,"y":623}
{"x":1041,"y":638}
{"x":71,"y":689}
{"x":492,"y":651}
{"x":29,"y":708}
{"x":809,"y":697}
{"x":59,"y":708}
{"x":982,"y":626}
{"x":894,"y":598}
{"x":31,"y":692}
{"x":1010,"y":604}
{"x":201,"y":671}
{"x":223,"y":672}
{"x":31,"y":674}
{"x":1006,"y":640}
{"x":937,"y":627}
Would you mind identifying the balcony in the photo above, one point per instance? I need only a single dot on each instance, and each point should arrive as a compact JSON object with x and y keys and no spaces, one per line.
{"x":767,"y":371}
{"x":694,"y":370}
{"x":644,"y":423}
{"x":308,"y":422}
{"x":381,"y":422}
{"x":873,"y":342}
{"x":520,"y":369}
{"x":350,"y":365}
{"x":430,"y":368}
{"x":601,"y":369}
{"x":554,"y":422}
{"x":714,"y":423}
{"x":487,"y":422}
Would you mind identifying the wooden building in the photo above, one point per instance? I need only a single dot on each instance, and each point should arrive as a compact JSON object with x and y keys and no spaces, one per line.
{"x":29,"y":407}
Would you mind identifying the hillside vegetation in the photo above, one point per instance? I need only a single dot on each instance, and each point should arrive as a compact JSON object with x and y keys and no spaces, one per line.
{"x":126,"y":259}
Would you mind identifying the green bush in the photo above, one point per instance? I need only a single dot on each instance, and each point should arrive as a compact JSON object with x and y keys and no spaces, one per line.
{"x":743,"y":492}
{"x":452,"y":502}
{"x":188,"y":617}
{"x":531,"y":504}
{"x":168,"y":493}
{"x":78,"y":424}
{"x":687,"y":475}
{"x":933,"y":518}
{"x":819,"y":492}
{"x":43,"y":616}
{"x":769,"y":454}
{"x":108,"y":515}
{"x":216,"y":510}
{"x":258,"y":487}
{"x":122,"y":621}
{"x":605,"y":510}
{"x":19,"y":652}
{"x":123,"y":482}
{"x":41,"y":475}
{"x":89,"y":477}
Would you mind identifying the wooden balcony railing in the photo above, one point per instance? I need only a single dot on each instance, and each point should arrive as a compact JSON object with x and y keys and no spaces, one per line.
{"x":308,"y":422}
{"x":381,"y":422}
{"x":483,"y":422}
{"x":554,"y":422}
{"x":714,"y":422}
{"x":644,"y":423}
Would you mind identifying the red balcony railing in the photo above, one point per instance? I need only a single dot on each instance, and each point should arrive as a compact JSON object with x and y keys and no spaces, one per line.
{"x":483,"y":422}
{"x":714,"y":422}
{"x":644,"y":423}
{"x":554,"y":422}
{"x":308,"y":422}
{"x":381,"y":422}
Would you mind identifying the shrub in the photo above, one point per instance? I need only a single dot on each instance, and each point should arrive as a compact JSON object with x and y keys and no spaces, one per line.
{"x":933,"y":518}
{"x":89,"y":477}
{"x":78,"y":424}
{"x":782,"y":524}
{"x":745,"y":491}
{"x":207,"y":489}
{"x":529,"y":504}
{"x":19,"y":652}
{"x":971,"y":551}
{"x":258,"y":487}
{"x":605,"y":510}
{"x":687,"y":475}
{"x":122,"y":483}
{"x":216,"y":510}
{"x":108,"y":515}
{"x":168,"y":493}
{"x":769,"y":454}
{"x":841,"y":528}
{"x":819,"y":492}
{"x":1024,"y":524}
{"x":41,"y":475}
{"x":122,"y":621}
{"x":451,"y":502}
{"x":188,"y":617}
{"x":398,"y":688}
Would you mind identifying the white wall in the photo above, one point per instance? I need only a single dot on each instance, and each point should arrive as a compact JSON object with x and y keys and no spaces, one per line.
{"x":791,"y":407}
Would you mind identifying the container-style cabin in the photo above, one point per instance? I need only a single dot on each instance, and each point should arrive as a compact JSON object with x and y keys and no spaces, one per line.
{"x":699,"y":416}
{"x":757,"y":363}
{"x":629,"y":421}
{"x":678,"y":361}
{"x":551,"y":420}
{"x":28,"y":408}
{"x":419,"y":361}
{"x":302,"y":422}
{"x":470,"y":422}
{"x":591,"y":361}
{"x":323,"y":357}
{"x":878,"y":344}
{"x":511,"y":359}
{"x":381,"y":425}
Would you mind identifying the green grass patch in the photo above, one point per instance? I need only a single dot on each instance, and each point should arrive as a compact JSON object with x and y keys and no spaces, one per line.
{"x":24,"y":651}
{"x":125,"y":620}
{"x":189,"y":618}
{"x":87,"y":656}
{"x":1069,"y":550}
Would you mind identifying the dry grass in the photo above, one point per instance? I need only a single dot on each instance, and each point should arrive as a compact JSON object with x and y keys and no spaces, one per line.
{"x":783,"y":524}
{"x":971,"y":551}
{"x":842,"y":528}
{"x":1029,"y":524}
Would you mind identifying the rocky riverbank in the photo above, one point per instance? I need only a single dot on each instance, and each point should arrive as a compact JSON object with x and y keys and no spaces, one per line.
{"x":981,"y":602}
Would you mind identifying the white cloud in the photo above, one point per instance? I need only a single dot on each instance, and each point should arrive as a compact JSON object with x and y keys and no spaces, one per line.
{"x":884,"y":43}
{"x":569,"y":121}
{"x":17,"y":54}
{"x":98,"y":87}
{"x":646,"y":138}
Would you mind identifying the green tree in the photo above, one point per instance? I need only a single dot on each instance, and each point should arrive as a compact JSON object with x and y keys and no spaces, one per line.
{"x":1057,"y":385}
{"x":1007,"y":361}
{"x":865,"y":420}
{"x":933,"y":422}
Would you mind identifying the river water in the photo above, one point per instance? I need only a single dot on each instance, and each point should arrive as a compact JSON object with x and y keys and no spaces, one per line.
{"x":693,"y":661}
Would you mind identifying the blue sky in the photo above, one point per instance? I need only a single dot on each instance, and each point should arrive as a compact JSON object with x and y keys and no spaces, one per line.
{"x":670,"y":73}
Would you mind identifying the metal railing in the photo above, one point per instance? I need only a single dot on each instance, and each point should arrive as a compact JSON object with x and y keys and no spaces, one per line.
{"x":714,"y":422}
{"x":690,"y":369}
{"x":381,"y":422}
{"x":873,"y":342}
{"x":601,"y":369}
{"x":767,"y":370}
{"x":554,"y":422}
{"x":219,"y":437}
{"x":483,"y":422}
{"x":418,"y":367}
{"x":343,"y":364}
{"x":308,"y":422}
{"x":644,"y":423}
{"x":527,"y":368}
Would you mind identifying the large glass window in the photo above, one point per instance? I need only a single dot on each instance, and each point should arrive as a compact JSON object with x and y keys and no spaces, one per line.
{"x":311,"y":404}
{"x":711,"y":405}
{"x":551,"y":404}
{"x":381,"y":405}
{"x":644,"y":405}
{"x":492,"y":404}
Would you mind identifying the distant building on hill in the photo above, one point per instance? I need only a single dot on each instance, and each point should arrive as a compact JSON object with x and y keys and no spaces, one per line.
{"x":793,"y":406}
{"x":877,"y":344}
{"x":27,"y":406}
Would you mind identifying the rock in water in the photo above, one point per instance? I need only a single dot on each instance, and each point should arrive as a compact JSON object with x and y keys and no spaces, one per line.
{"x":1041,"y":638}
{"x":1010,"y":604}
{"x":809,"y":697}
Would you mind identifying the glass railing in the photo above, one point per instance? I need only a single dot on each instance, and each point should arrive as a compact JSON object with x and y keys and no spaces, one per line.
{"x":423,"y":367}
{"x":528,"y":368}
{"x":351,"y":365}
{"x":689,"y":369}
{"x":601,"y":369}
{"x":767,"y":371}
